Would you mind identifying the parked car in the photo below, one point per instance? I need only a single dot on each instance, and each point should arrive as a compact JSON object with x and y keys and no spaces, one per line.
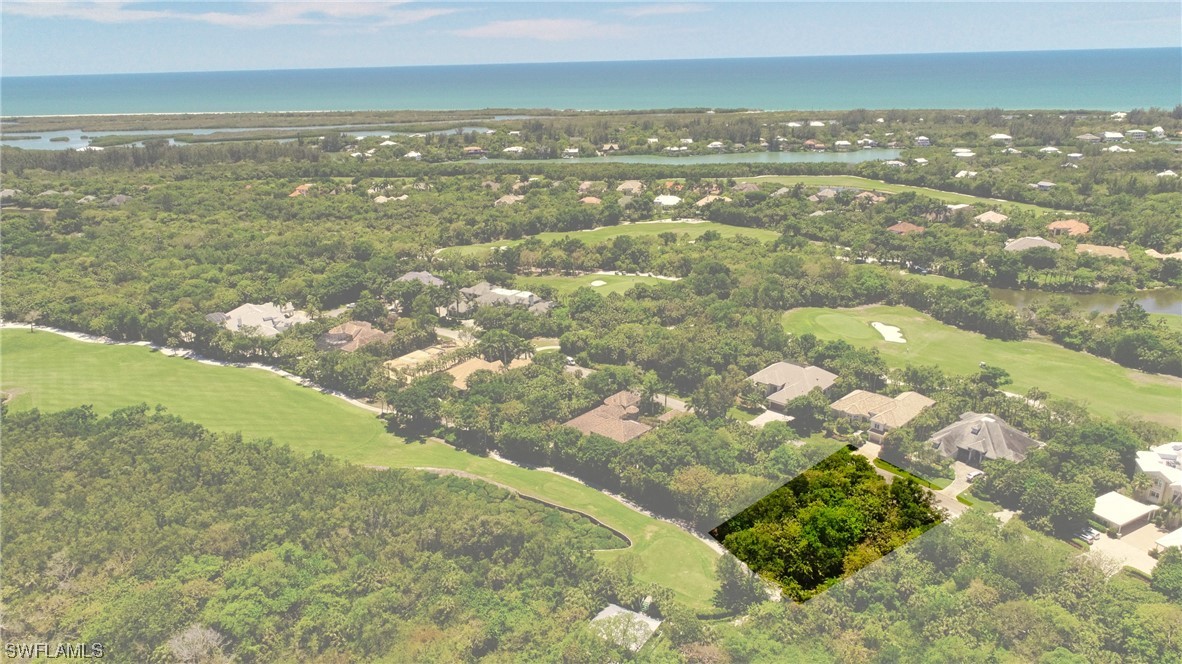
{"x":974,"y":475}
{"x":1089,"y":535}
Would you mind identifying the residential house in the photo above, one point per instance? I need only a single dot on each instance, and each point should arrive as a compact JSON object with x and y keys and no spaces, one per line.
{"x":746,"y":187}
{"x":570,"y":152}
{"x":1136,"y":134}
{"x":590,"y":200}
{"x":1163,"y":467}
{"x":485,"y":294}
{"x":710,"y":198}
{"x":1121,"y":513}
{"x":1158,"y":132}
{"x":615,"y":418}
{"x":1088,"y":138}
{"x":412,"y":155}
{"x":265,"y":319}
{"x":514,"y":149}
{"x":883,"y":413}
{"x":1101,"y":250}
{"x":351,"y":336}
{"x":1043,"y":185}
{"x":425,"y":278}
{"x":1004,"y":138}
{"x":923,"y":141}
{"x":991,"y":217}
{"x":464,"y":370}
{"x":630,"y":187}
{"x":715,"y":145}
{"x":920,"y":161}
{"x":1050,"y":149}
{"x":1024,"y":243}
{"x":1167,"y":174}
{"x":815,"y":145}
{"x":1071,"y":227}
{"x":782,"y":382}
{"x":667,"y":200}
{"x":977,"y":437}
{"x":1112,"y":137}
{"x":894,"y":162}
{"x":905,"y":228}
{"x":841,"y":145}
{"x":473,"y":151}
{"x":627,"y":629}
{"x":508,"y":199}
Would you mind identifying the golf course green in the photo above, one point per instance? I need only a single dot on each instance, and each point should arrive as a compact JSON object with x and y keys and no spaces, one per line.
{"x":1108,"y":388}
{"x":51,"y":372}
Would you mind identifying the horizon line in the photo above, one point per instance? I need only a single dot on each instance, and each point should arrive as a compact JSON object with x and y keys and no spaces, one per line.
{"x":568,"y":62}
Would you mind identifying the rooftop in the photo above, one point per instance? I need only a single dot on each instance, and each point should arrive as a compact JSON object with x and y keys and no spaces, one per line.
{"x":1120,"y":510}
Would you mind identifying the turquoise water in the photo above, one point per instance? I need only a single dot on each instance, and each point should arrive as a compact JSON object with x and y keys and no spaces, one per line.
{"x":1095,"y":79}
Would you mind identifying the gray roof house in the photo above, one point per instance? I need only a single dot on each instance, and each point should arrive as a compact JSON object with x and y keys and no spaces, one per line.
{"x":782,"y":382}
{"x":425,"y":278}
{"x":976,"y":437}
{"x":485,"y":294}
{"x":1024,"y":243}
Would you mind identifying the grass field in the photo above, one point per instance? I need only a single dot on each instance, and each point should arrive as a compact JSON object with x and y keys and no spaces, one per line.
{"x":1108,"y":388}
{"x":565,"y":285}
{"x":879,"y":185}
{"x":603,"y":233}
{"x":51,"y":372}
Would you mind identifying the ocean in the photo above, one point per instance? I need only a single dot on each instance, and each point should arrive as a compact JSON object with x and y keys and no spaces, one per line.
{"x":1086,"y":79}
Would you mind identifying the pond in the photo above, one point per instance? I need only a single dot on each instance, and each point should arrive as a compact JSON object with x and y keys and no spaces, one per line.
{"x":1157,"y":301}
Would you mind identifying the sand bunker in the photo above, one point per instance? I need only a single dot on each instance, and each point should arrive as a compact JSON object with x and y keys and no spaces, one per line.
{"x":597,"y":283}
{"x":890,"y":333}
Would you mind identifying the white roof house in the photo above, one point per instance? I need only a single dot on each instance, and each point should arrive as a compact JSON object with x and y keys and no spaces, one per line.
{"x":266,"y":319}
{"x":627,"y":629}
{"x":514,"y":149}
{"x":687,"y":141}
{"x":1164,"y":472}
{"x":387,"y":143}
{"x":919,"y":160}
{"x":412,"y":155}
{"x":923,"y":141}
{"x":1120,"y":511}
{"x":1001,"y":137}
{"x":667,"y":200}
{"x":1050,"y":149}
{"x":894,"y":162}
{"x":816,"y":123}
{"x":991,"y":217}
{"x":1158,"y":132}
{"x":965,"y":155}
{"x":1112,"y":136}
{"x":1172,"y":539}
{"x":1137,"y":134}
{"x":1024,"y":243}
{"x":715,"y":145}
{"x":1167,"y":174}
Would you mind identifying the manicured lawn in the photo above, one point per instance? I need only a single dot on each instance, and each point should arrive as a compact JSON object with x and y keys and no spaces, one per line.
{"x":595,"y":236}
{"x":566,"y":285}
{"x":1172,"y":321}
{"x":48,"y":371}
{"x":1108,"y":388}
{"x":879,"y":185}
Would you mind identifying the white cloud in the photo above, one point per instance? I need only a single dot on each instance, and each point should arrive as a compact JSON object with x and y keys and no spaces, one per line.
{"x":254,"y":14}
{"x":662,"y":9}
{"x":546,"y":29}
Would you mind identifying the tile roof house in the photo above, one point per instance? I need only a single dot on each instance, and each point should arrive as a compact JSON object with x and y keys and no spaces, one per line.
{"x":631,"y":187}
{"x":710,"y":198}
{"x":425,"y":278}
{"x":782,"y":382}
{"x":882,"y":412}
{"x":1163,"y":467}
{"x":615,"y":418}
{"x":508,"y":199}
{"x":590,"y":200}
{"x":991,"y":217}
{"x":1101,"y":250}
{"x":905,"y":228}
{"x":350,"y":336}
{"x":1024,"y":243}
{"x":267,"y":319}
{"x":976,"y":437}
{"x":462,"y":371}
{"x":1069,"y":227}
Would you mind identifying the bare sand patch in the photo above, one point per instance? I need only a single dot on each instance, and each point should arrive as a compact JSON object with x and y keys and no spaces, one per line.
{"x":597,"y":283}
{"x":889,"y":333}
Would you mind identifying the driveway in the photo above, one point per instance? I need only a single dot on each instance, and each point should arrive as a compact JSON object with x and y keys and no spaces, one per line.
{"x":1133,"y":548}
{"x":961,"y":481}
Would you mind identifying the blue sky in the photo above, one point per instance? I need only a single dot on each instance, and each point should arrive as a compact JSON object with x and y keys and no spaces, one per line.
{"x":40,"y":38}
